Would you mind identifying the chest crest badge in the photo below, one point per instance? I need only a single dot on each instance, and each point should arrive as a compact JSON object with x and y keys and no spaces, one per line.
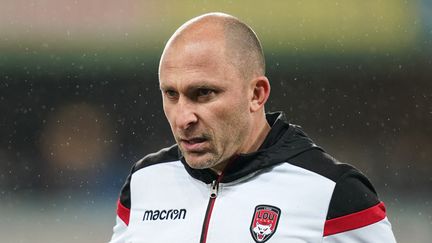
{"x":264,"y":222}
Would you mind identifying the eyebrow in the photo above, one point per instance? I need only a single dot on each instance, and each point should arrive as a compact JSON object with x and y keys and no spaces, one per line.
{"x":194,"y":86}
{"x":163,"y":87}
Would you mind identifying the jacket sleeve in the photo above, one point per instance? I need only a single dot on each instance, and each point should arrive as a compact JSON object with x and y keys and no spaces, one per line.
{"x":123,"y":213}
{"x":355,"y":214}
{"x":378,"y":232}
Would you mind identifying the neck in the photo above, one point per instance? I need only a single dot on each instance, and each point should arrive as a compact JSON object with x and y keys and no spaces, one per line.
{"x":262,"y":130}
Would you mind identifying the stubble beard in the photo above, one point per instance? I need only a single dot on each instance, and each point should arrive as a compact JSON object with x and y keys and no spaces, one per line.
{"x":202,"y":163}
{"x":201,"y":159}
{"x":215,"y":154}
{"x":221,"y":148}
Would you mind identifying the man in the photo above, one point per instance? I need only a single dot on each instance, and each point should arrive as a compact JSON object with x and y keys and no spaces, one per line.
{"x":237,"y":174}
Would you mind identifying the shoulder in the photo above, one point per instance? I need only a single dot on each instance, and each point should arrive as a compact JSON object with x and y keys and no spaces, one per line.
{"x":352,"y":192}
{"x":164,"y":155}
{"x":354,"y":207}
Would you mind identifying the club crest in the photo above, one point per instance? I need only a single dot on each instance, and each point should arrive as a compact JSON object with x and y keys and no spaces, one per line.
{"x":264,"y":222}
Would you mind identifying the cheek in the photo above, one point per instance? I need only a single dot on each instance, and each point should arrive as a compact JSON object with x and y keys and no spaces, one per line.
{"x":231,"y":118}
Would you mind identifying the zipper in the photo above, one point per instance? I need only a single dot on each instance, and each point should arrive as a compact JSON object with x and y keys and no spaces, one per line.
{"x":214,"y":189}
{"x":213,"y":195}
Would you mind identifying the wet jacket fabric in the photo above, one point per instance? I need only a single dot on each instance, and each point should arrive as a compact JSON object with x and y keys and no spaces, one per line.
{"x":290,"y":190}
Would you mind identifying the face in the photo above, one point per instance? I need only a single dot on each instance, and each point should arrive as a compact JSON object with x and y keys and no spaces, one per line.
{"x":206,"y":103}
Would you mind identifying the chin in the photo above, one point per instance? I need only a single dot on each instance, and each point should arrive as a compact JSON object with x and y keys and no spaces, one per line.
{"x":199,"y":163}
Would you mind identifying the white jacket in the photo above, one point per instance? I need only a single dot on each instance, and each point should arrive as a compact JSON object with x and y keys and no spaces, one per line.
{"x":290,"y":190}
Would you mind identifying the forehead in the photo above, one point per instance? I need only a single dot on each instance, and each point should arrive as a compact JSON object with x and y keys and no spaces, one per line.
{"x":198,"y":61}
{"x":197,"y":53}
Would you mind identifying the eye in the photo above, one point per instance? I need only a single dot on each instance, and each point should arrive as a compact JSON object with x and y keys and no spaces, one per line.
{"x":171,"y":94}
{"x":204,"y":92}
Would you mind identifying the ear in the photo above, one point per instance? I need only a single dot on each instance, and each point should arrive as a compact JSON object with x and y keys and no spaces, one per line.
{"x":261,"y":92}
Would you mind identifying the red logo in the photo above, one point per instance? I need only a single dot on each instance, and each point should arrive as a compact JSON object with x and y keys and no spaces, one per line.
{"x":264,"y":222}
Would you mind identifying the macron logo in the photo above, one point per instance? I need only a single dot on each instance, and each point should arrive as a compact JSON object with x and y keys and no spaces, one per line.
{"x":171,"y":214}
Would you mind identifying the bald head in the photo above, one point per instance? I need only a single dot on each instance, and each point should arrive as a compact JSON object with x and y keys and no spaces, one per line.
{"x":211,"y":76}
{"x":235,"y":39}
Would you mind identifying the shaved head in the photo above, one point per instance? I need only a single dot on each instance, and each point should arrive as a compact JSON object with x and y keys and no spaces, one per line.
{"x":211,"y":76}
{"x":243,"y":48}
{"x":238,"y":41}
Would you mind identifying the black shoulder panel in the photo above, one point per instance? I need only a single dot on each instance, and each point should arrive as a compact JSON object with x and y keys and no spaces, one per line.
{"x":321,"y":163}
{"x":164,"y":155}
{"x":353,"y":191}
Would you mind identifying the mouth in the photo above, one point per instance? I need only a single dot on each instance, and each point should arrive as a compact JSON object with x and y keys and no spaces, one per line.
{"x":194,"y":144}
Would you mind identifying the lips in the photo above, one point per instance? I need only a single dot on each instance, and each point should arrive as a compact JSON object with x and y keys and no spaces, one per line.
{"x":195,"y":144}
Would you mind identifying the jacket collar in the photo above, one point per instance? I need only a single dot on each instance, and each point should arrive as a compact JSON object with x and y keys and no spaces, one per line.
{"x":284,"y":141}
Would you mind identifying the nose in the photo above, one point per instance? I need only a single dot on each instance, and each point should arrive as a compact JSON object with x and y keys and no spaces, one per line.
{"x":185,"y":114}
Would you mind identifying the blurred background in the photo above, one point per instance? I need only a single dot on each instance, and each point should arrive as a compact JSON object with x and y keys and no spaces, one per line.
{"x":79,"y":100}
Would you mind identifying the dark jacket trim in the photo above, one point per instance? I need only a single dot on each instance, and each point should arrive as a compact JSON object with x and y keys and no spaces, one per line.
{"x":164,"y":155}
{"x":353,"y":193}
